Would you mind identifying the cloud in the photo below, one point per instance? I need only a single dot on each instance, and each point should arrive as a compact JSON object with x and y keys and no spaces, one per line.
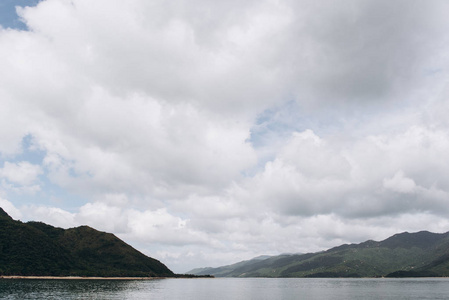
{"x":363,"y":50}
{"x":171,"y":148}
{"x":10,"y":209}
{"x":21,"y":177}
{"x":204,"y":131}
{"x":50,"y":215}
{"x":313,"y":176}
{"x":401,"y":184}
{"x":22,"y":173}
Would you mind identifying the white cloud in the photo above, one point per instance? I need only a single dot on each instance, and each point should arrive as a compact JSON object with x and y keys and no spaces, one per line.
{"x":138,"y":143}
{"x":312,"y":175}
{"x":50,"y":215}
{"x":10,"y":209}
{"x":399,"y":183}
{"x":22,"y":173}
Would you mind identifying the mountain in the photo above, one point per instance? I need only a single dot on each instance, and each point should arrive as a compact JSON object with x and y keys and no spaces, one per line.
{"x":420,"y":254}
{"x":38,"y":249}
{"x":229,"y":271}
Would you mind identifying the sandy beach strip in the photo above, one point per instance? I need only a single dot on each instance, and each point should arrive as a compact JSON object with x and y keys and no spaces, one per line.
{"x":80,"y":278}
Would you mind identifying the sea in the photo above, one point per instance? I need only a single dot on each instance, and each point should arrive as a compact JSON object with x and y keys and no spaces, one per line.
{"x":227,"y":288}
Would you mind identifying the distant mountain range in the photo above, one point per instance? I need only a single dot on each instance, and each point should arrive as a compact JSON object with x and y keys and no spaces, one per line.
{"x":38,"y":249}
{"x":421,"y":254}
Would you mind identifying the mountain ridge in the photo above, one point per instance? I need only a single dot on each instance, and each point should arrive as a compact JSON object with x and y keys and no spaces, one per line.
{"x":39,"y":249}
{"x":419,"y":254}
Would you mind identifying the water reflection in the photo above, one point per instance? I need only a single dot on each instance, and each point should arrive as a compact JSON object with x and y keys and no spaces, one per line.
{"x":70,"y":289}
{"x":227,"y":288}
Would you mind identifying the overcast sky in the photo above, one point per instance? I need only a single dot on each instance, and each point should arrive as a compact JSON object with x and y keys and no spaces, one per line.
{"x":208,"y":132}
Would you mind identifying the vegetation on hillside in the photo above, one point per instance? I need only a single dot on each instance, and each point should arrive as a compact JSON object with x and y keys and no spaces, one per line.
{"x":38,"y":249}
{"x":421,"y":254}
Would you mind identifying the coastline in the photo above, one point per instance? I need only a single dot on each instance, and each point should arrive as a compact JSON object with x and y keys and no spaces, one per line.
{"x":79,"y":277}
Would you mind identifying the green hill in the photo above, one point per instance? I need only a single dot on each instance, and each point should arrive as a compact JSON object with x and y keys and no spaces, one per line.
{"x":421,"y":254}
{"x":38,"y":249}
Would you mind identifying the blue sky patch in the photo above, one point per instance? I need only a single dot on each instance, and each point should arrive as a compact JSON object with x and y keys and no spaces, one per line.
{"x":8,"y":14}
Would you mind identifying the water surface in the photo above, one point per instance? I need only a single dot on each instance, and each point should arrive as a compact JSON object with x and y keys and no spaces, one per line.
{"x":227,"y":288}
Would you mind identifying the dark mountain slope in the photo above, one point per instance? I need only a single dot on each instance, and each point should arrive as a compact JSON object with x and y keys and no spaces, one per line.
{"x":422,"y":240}
{"x":27,"y":250}
{"x":35,"y":248}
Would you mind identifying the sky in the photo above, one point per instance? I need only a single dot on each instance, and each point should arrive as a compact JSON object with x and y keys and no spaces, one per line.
{"x":204,"y":133}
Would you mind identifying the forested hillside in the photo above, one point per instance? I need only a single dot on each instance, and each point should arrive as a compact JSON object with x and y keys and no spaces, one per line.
{"x":35,"y":248}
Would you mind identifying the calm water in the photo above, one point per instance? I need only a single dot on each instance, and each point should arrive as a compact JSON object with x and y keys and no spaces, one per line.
{"x":228,"y":288}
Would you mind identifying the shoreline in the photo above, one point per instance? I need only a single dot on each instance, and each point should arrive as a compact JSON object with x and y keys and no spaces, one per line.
{"x":80,"y":277}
